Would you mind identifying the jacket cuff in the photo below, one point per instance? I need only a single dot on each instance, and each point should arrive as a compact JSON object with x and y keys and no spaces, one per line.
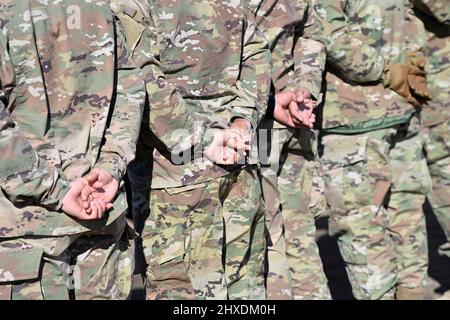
{"x":113,"y":164}
{"x":56,"y":195}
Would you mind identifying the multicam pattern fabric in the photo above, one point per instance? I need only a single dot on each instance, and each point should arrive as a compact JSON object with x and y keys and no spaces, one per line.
{"x":376,"y":184}
{"x":294,"y":266}
{"x":91,"y":266}
{"x":435,"y":15}
{"x":203,"y":62}
{"x":436,"y":19}
{"x":57,"y":90}
{"x":375,"y":173}
{"x":294,"y":195}
{"x":184,"y":243}
{"x":70,"y":100}
{"x":360,"y":37}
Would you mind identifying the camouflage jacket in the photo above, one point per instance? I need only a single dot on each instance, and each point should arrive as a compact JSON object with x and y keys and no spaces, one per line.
{"x":70,"y":99}
{"x":201,"y":61}
{"x":297,"y":62}
{"x":435,"y":15}
{"x":359,"y":36}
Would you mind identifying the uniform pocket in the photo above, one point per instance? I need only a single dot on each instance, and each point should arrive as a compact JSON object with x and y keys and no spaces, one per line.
{"x":346,"y":176}
{"x":166,"y":230}
{"x":409,"y":168}
{"x":17,"y":267}
{"x":132,"y":30}
{"x":20,"y":265}
{"x":5,"y":291}
{"x":437,"y":142}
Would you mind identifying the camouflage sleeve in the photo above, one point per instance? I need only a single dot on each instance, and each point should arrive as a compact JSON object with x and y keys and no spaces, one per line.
{"x":167,"y":120}
{"x":416,"y":37}
{"x":310,"y":58}
{"x":352,"y":58}
{"x":121,"y":136}
{"x":297,"y":62}
{"x":254,"y":86}
{"x":439,"y":9}
{"x":25,"y":175}
{"x":277,"y":20}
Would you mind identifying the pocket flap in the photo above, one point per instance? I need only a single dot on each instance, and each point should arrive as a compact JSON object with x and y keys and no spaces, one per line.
{"x":341,"y":151}
{"x":20,"y":265}
{"x":132,"y":29}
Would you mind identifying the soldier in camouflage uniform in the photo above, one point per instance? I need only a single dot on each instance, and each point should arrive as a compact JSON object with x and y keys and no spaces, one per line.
{"x":200,"y":61}
{"x":206,"y":70}
{"x":70,"y":103}
{"x":375,"y":173}
{"x":435,"y":15}
{"x":291,"y":171}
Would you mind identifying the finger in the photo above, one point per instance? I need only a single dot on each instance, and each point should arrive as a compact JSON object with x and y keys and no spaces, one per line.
{"x":308,"y":121}
{"x":85,"y":193}
{"x":295,"y":112}
{"x":232,"y":156}
{"x":109,"y":206}
{"x":94,"y":209}
{"x":310,"y":104}
{"x":236,"y":141}
{"x":101,"y":208}
{"x":294,"y":123}
{"x":300,"y":97}
{"x":414,"y":101}
{"x":224,"y":155}
{"x":86,"y":204}
{"x":91,"y":177}
{"x":285,"y":98}
{"x":237,"y":144}
{"x":101,"y":205}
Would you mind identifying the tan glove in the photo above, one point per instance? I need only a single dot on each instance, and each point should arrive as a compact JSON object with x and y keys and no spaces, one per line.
{"x":408,"y":79}
{"x":418,"y":83}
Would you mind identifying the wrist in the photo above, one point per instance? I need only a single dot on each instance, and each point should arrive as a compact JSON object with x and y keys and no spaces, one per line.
{"x":241,"y":122}
{"x":55,"y":198}
{"x":208,"y":137}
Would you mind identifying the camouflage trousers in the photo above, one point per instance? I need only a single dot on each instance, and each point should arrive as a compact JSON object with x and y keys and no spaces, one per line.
{"x":205,"y":241}
{"x":436,"y":141}
{"x":293,"y":191}
{"x":96,"y":265}
{"x":376,"y":184}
